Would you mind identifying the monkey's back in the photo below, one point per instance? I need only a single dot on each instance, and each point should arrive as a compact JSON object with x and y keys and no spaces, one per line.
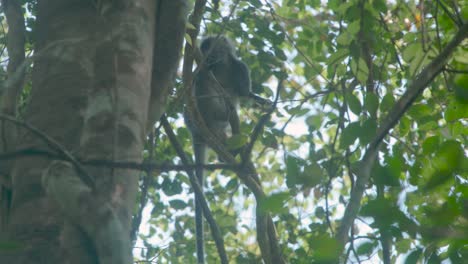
{"x":214,"y":100}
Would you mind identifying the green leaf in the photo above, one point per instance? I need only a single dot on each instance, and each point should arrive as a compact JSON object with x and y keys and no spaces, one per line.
{"x":428,"y":126}
{"x":324,"y":249}
{"x":312,"y":175}
{"x":413,"y":257}
{"x":320,"y":212}
{"x":256,"y":3}
{"x":344,"y":38}
{"x":404,"y":126}
{"x":339,"y":6}
{"x":460,"y":86}
{"x":456,"y":110}
{"x":448,"y":159}
{"x":354,"y":27}
{"x":293,"y":169}
{"x":360,"y":70}
{"x":178,"y":204}
{"x":366,"y":248}
{"x":384,"y":176}
{"x":350,"y":134}
{"x":236,"y":141}
{"x":411,"y":51}
{"x":275,"y":203}
{"x":337,"y":57}
{"x":380,"y":5}
{"x":353,"y":103}
{"x":403,"y":245}
{"x":418,"y":62}
{"x":395,"y":163}
{"x":430,"y":145}
{"x":171,"y":188}
{"x":314,"y":121}
{"x":387,"y":214}
{"x":371,"y":103}
{"x":269,"y":140}
{"x":464,"y":12}
{"x":279,"y":53}
{"x":298,"y":111}
{"x":387,"y":102}
{"x":9,"y":246}
{"x":232,"y":184}
{"x":418,"y":111}
{"x":369,"y":130}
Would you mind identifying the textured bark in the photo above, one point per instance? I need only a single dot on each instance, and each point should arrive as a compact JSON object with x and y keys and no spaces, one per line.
{"x":167,"y":49}
{"x":15,"y":44}
{"x":91,"y":83}
{"x":9,"y":96}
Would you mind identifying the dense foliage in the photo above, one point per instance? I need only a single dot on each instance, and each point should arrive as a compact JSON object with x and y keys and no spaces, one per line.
{"x":346,"y":66}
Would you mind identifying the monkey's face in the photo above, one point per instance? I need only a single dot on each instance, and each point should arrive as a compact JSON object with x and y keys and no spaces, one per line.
{"x":216,"y":50}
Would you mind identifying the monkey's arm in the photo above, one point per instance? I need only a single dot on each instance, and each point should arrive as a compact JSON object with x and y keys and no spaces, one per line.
{"x":241,"y":77}
{"x":260,"y":100}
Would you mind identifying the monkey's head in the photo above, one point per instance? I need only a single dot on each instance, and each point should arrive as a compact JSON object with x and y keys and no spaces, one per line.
{"x":216,"y":50}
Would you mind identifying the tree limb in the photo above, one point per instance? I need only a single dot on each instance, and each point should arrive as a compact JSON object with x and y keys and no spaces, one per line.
{"x":143,"y":166}
{"x":9,"y":96}
{"x":414,"y":90}
{"x":170,"y":28}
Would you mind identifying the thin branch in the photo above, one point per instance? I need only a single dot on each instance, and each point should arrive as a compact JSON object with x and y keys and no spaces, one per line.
{"x":261,"y":123}
{"x":146,"y":183}
{"x":293,"y":43}
{"x":455,"y":19}
{"x":84,"y":176}
{"x":144,"y":166}
{"x":456,"y":71}
{"x":394,"y":45}
{"x":194,"y":20}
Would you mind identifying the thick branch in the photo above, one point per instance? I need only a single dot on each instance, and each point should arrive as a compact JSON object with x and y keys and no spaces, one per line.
{"x":169,"y":36}
{"x":413,"y":91}
{"x":194,"y":20}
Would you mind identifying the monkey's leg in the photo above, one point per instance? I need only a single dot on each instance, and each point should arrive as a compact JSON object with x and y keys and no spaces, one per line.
{"x":200,"y":159}
{"x":234,"y":122}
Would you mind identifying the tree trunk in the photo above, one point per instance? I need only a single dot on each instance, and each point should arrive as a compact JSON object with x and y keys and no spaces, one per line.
{"x":92,"y":81}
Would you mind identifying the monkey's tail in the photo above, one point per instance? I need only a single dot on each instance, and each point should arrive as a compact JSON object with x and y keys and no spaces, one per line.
{"x":200,"y":159}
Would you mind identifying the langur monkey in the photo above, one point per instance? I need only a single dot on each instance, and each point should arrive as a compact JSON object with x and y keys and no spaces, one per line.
{"x":219,"y":83}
